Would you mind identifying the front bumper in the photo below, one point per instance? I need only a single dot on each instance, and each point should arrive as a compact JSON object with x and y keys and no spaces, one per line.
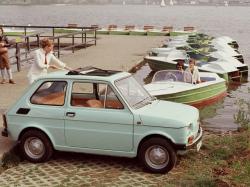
{"x":5,"y":132}
{"x":195,"y":145}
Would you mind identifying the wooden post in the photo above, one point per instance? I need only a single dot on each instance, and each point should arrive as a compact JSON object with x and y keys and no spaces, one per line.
{"x":73,"y":43}
{"x":82,"y":35}
{"x":53,"y":32}
{"x":95,"y":35}
{"x":58,"y":47}
{"x":38,"y":40}
{"x":85,"y":40}
{"x":28,"y":43}
{"x":18,"y":60}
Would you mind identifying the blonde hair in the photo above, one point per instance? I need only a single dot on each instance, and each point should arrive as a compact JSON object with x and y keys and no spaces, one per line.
{"x":46,"y":42}
{"x":192,"y":61}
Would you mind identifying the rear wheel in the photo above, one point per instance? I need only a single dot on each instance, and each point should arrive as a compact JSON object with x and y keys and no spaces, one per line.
{"x":157,"y":155}
{"x":35,"y":146}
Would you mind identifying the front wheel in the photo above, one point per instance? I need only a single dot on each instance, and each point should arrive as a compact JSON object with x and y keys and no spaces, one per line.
{"x":157,"y":155}
{"x":35,"y":146}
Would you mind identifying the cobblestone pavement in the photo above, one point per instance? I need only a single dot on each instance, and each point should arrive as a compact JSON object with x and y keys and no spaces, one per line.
{"x":67,"y":169}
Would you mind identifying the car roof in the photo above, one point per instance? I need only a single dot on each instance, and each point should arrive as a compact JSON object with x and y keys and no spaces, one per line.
{"x":87,"y":73}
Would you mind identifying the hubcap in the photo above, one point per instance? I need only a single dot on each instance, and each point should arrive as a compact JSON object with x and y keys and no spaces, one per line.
{"x":157,"y":157}
{"x":34,"y":148}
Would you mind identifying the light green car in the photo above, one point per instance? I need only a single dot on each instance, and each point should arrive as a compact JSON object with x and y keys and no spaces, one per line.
{"x":104,"y":112}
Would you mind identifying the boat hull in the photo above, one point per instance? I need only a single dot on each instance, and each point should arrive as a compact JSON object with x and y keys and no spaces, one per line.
{"x":157,"y":33}
{"x":119,"y":32}
{"x":179,"y":33}
{"x":198,"y":97}
{"x":138,"y":33}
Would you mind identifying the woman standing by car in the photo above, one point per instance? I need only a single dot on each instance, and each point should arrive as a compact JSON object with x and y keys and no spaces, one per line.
{"x":43,"y":58}
{"x":4,"y":58}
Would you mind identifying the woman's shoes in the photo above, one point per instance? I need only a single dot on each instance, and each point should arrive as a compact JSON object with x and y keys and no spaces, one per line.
{"x":11,"y":81}
{"x":3,"y":81}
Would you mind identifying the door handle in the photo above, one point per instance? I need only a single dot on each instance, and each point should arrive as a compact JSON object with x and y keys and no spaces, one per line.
{"x":70,"y":114}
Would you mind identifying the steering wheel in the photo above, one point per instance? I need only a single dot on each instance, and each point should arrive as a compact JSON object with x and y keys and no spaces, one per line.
{"x":171,"y":76}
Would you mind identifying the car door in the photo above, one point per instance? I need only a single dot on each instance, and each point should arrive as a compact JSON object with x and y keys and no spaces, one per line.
{"x":95,"y":121}
{"x":47,"y":109}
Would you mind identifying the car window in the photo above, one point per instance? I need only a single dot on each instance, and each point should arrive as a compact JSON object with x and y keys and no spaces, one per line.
{"x":112,"y":100}
{"x":133,"y":92}
{"x":82,"y":87}
{"x":94,"y":95}
{"x":50,"y":93}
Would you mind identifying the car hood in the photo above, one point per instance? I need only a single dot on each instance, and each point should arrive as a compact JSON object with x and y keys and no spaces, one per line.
{"x":168,"y":114}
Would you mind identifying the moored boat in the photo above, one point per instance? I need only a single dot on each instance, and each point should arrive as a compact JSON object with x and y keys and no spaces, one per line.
{"x":170,"y":59}
{"x":176,"y":86}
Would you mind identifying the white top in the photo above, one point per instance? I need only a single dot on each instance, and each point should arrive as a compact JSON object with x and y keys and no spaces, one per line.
{"x":195,"y":74}
{"x":39,"y":68}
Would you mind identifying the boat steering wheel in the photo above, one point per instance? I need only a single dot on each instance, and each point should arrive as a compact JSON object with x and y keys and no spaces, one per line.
{"x":171,"y":76}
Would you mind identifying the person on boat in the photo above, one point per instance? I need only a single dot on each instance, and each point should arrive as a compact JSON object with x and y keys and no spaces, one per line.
{"x":192,"y":69}
{"x":180,"y":73}
{"x":4,"y":58}
{"x":43,"y":57}
{"x":180,"y":66}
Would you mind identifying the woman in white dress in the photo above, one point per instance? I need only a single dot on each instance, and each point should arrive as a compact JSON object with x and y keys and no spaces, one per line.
{"x":43,"y":57}
{"x":194,"y":71}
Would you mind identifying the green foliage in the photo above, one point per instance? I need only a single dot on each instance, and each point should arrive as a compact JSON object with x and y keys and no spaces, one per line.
{"x":9,"y":160}
{"x":205,"y":183}
{"x":242,"y":172}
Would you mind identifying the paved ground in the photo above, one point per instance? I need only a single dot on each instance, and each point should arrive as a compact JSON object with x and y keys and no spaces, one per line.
{"x":111,"y":52}
{"x":83,"y":170}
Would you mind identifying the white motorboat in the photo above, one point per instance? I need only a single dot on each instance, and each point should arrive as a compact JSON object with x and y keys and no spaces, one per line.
{"x":174,"y":85}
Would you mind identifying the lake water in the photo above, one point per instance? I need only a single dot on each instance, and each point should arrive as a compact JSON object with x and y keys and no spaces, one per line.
{"x":215,"y":21}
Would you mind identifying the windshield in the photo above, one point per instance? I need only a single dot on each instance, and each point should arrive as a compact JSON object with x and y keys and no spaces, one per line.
{"x":133,"y":92}
{"x":173,"y":76}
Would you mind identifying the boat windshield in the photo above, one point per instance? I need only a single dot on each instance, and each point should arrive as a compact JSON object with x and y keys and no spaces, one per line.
{"x":133,"y":92}
{"x":173,"y":76}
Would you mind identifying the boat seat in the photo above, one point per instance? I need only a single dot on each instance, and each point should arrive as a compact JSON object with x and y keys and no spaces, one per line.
{"x":148,"y":27}
{"x":167,"y":28}
{"x":112,"y":27}
{"x":188,"y":28}
{"x":129,"y":27}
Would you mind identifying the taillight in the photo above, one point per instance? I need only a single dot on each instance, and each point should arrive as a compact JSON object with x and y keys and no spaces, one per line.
{"x":4,"y":121}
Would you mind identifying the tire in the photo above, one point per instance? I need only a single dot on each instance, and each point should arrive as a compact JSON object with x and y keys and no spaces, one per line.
{"x":161,"y":163}
{"x":35,"y":146}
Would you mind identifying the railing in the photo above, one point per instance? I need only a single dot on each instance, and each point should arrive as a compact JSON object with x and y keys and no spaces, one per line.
{"x":29,"y":44}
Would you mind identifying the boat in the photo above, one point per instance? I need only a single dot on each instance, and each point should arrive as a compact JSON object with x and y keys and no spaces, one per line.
{"x":141,"y":32}
{"x":114,"y":30}
{"x":159,"y":32}
{"x":163,"y":3}
{"x":188,"y":30}
{"x":176,"y":86}
{"x":169,"y":59}
{"x":214,"y":52}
